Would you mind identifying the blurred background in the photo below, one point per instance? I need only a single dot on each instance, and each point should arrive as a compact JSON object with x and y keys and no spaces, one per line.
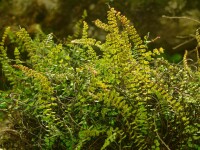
{"x":60,"y":16}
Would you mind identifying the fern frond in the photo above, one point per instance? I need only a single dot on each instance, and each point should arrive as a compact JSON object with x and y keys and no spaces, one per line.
{"x":112,"y":136}
{"x":185,"y":64}
{"x":78,"y":27}
{"x":45,"y":84}
{"x":4,"y":59}
{"x":197,"y":48}
{"x":5,"y":35}
{"x":23,"y":35}
{"x":17,"y":56}
{"x":197,"y":36}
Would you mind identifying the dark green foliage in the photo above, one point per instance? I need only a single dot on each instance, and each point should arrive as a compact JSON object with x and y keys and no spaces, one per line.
{"x":68,"y":97}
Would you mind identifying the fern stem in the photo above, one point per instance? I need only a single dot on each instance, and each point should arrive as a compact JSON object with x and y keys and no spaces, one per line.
{"x":160,"y":137}
{"x":183,"y":17}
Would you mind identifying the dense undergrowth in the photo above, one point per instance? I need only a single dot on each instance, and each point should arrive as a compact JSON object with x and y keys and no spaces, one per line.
{"x":90,"y":94}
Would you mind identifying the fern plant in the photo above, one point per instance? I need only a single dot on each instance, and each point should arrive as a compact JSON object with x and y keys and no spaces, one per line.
{"x":69,"y":96}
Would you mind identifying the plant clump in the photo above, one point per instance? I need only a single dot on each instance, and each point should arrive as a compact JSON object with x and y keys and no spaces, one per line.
{"x":90,"y":94}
